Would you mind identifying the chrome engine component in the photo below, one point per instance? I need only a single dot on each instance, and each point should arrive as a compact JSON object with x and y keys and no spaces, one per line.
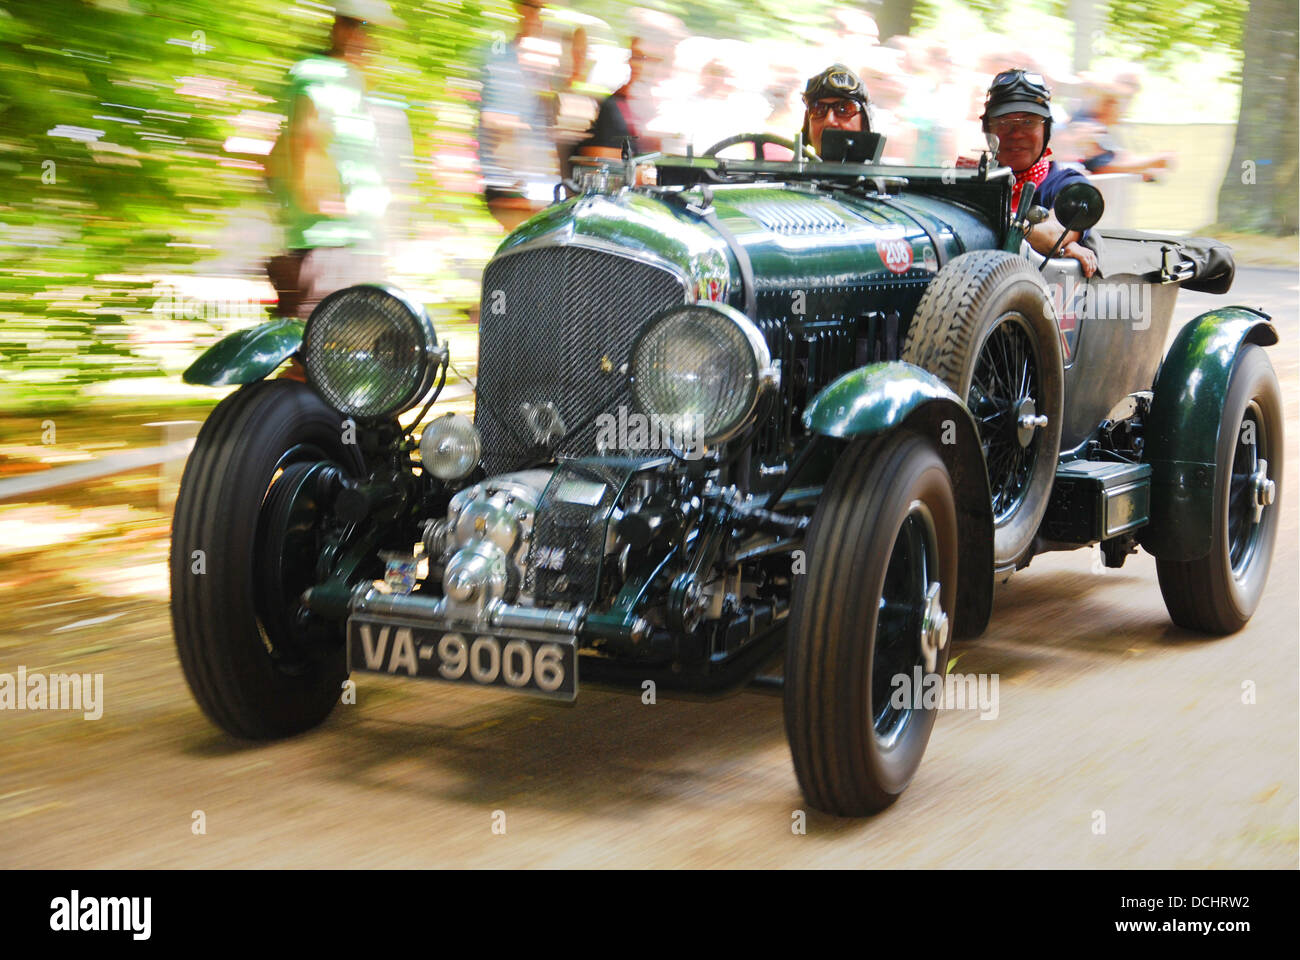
{"x":484,"y":546}
{"x":443,"y":612}
{"x":483,"y":543}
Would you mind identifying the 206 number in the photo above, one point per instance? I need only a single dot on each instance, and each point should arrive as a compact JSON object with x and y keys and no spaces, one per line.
{"x":486,"y":659}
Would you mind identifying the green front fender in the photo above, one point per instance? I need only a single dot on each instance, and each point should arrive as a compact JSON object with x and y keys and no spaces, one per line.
{"x":877,"y":399}
{"x":1182,"y":435}
{"x":247,"y":355}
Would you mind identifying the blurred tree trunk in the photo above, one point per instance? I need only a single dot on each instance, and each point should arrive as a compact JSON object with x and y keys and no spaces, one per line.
{"x":1259,"y":191}
{"x":1087,"y":16}
{"x":893,"y":17}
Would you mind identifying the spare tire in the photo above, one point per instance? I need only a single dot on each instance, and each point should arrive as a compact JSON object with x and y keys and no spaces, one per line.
{"x":986,"y":327}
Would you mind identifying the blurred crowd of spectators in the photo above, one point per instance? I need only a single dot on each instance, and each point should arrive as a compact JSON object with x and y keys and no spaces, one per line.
{"x":558,"y":86}
{"x":546,"y":96}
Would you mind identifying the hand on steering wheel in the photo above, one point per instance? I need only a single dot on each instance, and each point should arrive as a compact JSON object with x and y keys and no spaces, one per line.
{"x":757,"y":140}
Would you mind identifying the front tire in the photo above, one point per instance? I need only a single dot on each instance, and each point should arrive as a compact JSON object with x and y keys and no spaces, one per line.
{"x":1219,"y":592}
{"x":866,"y":612}
{"x":248,"y":673}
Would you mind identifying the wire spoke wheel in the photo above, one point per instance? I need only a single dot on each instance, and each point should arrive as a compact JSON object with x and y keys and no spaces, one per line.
{"x":1219,"y":591}
{"x":1244,"y":519}
{"x":245,"y":543}
{"x":872,"y":607}
{"x":291,"y":534}
{"x":913,"y":562}
{"x":1005,"y":378}
{"x":985,"y":326}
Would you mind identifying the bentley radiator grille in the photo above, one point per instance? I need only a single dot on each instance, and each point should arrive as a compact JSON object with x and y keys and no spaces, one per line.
{"x":555,"y":327}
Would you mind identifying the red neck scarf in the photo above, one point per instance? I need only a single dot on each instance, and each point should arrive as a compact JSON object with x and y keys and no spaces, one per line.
{"x":1035,"y":174}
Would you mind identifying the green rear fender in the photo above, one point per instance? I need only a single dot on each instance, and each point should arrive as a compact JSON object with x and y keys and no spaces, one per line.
{"x":1182,"y":436}
{"x":247,"y":355}
{"x":882,"y":397}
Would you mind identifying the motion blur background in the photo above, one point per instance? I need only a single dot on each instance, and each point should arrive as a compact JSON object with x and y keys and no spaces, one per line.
{"x":135,"y":218}
{"x":135,"y":222}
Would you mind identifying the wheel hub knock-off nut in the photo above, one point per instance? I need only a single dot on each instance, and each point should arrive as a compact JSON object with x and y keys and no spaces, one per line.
{"x":1265,"y":490}
{"x":934,"y":628}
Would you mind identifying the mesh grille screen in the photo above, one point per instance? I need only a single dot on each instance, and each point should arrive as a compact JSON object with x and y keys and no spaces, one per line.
{"x":569,"y":533}
{"x":549,"y":319}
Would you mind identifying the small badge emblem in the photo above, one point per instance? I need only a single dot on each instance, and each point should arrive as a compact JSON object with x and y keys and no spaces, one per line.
{"x":544,"y":422}
{"x":895,"y":255}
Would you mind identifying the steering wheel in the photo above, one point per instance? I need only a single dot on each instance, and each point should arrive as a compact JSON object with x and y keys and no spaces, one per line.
{"x":757,"y":140}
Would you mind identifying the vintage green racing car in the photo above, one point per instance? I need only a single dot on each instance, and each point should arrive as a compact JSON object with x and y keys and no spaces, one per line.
{"x":756,"y":409}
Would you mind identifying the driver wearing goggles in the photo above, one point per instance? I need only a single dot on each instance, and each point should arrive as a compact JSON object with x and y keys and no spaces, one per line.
{"x":834,"y":99}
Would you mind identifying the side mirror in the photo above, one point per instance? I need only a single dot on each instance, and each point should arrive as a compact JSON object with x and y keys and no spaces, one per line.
{"x":1079,"y":206}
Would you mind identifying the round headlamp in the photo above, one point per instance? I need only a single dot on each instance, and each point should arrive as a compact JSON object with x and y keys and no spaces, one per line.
{"x":370,"y":352}
{"x":701,"y":370}
{"x":450,"y":447}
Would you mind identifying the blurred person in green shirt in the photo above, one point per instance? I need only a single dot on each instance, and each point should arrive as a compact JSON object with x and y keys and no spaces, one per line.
{"x":327,"y":169}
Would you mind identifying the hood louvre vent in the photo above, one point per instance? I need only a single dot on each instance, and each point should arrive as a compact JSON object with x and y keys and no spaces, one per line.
{"x":794,"y":218}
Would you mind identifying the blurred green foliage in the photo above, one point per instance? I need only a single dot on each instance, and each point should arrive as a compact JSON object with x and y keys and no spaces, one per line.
{"x":1163,"y":29}
{"x":1159,"y":30}
{"x":113,"y":119}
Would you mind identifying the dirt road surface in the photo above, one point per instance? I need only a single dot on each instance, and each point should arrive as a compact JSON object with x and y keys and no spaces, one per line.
{"x":1108,"y":717}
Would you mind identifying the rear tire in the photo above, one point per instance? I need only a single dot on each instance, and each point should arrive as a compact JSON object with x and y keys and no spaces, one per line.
{"x":247,"y":676}
{"x":884,"y":533}
{"x":1219,"y":593}
{"x":986,"y":327}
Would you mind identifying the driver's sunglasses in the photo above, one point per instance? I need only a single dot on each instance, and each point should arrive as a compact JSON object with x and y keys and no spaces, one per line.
{"x":843,"y":108}
{"x":1008,"y":124}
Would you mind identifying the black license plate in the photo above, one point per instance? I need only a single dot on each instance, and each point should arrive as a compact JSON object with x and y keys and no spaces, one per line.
{"x":541,"y":664}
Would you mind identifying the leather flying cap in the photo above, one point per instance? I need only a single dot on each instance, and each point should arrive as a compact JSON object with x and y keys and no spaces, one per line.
{"x":1017,"y":91}
{"x":836,"y":80}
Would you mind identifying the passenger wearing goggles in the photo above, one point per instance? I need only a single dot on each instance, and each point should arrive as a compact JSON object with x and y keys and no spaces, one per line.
{"x":835,"y":99}
{"x":1017,"y":110}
